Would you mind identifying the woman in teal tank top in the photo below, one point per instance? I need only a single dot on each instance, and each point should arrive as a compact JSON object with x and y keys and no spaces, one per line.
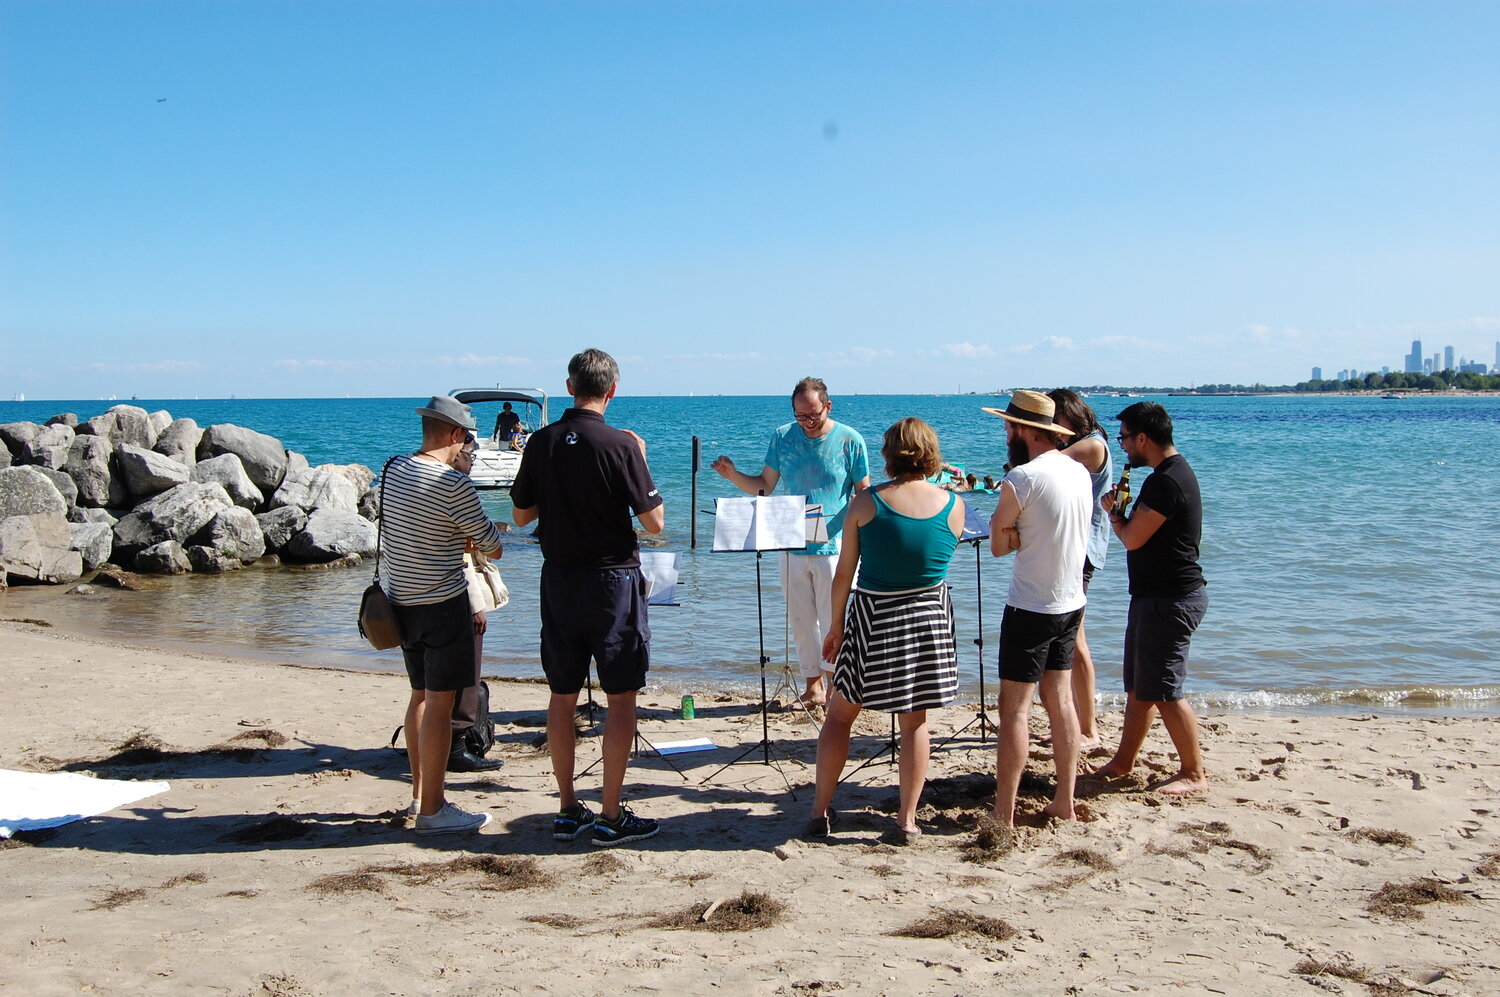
{"x":895,"y":651}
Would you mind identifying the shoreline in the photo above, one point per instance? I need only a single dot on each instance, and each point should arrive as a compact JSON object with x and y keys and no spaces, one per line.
{"x":281,"y":866}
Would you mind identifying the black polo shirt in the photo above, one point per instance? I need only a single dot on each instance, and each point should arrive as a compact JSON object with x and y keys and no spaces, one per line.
{"x":586,"y":481}
{"x":1167,"y":564}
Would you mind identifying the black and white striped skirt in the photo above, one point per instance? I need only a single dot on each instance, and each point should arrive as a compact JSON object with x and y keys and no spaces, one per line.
{"x":898,"y":653}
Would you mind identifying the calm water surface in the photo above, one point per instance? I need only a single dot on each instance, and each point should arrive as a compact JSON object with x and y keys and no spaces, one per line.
{"x":1349,"y":545}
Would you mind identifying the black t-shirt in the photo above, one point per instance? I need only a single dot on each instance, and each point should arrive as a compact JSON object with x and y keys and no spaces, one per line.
{"x":1167,"y":564}
{"x":585,"y":480}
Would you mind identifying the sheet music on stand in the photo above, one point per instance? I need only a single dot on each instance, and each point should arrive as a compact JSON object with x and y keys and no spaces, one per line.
{"x":660,"y":569}
{"x":976,"y":525}
{"x":761,"y":522}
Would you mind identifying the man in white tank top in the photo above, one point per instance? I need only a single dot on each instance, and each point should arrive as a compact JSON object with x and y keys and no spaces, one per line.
{"x":1043,"y":518}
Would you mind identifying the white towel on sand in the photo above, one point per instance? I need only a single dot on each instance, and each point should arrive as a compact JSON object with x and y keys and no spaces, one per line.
{"x":33,"y":800}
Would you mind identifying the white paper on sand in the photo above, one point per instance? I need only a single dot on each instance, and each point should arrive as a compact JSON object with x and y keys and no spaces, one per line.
{"x":683,"y":747}
{"x":659,"y":567}
{"x":30,"y":801}
{"x":760,"y":522}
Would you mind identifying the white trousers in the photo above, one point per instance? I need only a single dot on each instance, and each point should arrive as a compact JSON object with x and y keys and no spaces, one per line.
{"x":807,"y":580}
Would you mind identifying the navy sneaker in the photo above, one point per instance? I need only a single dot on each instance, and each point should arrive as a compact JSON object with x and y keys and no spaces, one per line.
{"x":570,"y":823}
{"x":624,"y":828}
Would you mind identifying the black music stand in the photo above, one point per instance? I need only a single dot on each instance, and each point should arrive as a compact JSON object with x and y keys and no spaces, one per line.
{"x":759,"y":524}
{"x":662,"y":576}
{"x":976,"y":531}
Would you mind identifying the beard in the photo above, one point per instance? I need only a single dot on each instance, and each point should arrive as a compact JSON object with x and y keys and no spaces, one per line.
{"x":1017,"y":451}
{"x":1137,"y":461}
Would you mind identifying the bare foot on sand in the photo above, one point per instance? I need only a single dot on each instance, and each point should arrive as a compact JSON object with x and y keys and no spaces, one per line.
{"x":1059,"y":813}
{"x":1181,"y":783}
{"x":1087,"y":744}
{"x":812,"y":698}
{"x":1109,"y":770}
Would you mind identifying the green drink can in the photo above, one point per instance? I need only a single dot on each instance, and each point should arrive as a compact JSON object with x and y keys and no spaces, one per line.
{"x":688,"y":712}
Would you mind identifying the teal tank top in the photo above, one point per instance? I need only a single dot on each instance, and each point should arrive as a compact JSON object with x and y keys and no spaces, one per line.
{"x":899,"y":552}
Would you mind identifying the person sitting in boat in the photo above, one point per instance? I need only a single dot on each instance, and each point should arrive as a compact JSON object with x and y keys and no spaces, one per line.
{"x":506,"y":424}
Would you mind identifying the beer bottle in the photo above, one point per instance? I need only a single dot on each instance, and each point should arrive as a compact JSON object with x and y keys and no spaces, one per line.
{"x":1122,"y":493}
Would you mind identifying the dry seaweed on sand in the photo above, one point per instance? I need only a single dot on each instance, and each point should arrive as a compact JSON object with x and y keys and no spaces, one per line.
{"x":746,"y":912}
{"x":187,"y":877}
{"x":118,"y":898}
{"x":564,"y":922}
{"x":691,"y":877}
{"x":267,"y":737}
{"x":1489,"y":865}
{"x":276,"y":827}
{"x":948,"y":923}
{"x":1401,"y":900}
{"x":1381,"y":836}
{"x":347,"y":882}
{"x":1342,"y":969}
{"x":501,"y":872}
{"x":991,"y":840}
{"x":140,"y":748}
{"x":1084,"y":857}
{"x":602,"y":864}
{"x":885,"y":870}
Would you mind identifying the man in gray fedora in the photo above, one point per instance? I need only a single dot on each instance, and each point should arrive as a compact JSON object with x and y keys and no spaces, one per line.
{"x":429,"y":513}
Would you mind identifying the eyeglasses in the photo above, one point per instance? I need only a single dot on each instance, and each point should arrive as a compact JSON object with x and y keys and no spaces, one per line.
{"x":466,"y":453}
{"x":809,"y":417}
{"x":1126,"y":436}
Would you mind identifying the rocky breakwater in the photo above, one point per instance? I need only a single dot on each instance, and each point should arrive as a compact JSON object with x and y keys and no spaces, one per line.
{"x":155,"y":494}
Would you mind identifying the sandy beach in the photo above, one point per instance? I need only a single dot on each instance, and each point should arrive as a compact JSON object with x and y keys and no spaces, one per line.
{"x":1353,"y":854}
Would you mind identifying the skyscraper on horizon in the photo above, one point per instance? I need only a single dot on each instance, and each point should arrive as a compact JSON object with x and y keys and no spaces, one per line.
{"x":1414,"y":358}
{"x":1318,"y":371}
{"x":1448,"y":358}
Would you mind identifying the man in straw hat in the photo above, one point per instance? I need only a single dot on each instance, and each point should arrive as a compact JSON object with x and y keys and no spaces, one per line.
{"x":1043,"y":518}
{"x":1161,"y":536}
{"x":429,"y":512}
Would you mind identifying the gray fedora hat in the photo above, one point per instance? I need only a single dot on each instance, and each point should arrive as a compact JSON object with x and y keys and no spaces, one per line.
{"x":448,"y":409}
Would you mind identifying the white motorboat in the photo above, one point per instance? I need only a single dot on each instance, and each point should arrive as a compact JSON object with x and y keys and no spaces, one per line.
{"x":499,"y":453}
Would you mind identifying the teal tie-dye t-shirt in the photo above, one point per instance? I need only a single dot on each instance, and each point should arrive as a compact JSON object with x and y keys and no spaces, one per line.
{"x":824,"y":469}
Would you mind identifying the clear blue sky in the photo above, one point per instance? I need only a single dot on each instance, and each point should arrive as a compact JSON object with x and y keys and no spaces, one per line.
{"x":401,"y":198}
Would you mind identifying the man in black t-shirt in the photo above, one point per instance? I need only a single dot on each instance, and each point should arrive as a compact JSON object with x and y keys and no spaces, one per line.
{"x":580,"y":481}
{"x":1167,"y":595}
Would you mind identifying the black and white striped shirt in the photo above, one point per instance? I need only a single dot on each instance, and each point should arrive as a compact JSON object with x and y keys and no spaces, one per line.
{"x":427,"y":512}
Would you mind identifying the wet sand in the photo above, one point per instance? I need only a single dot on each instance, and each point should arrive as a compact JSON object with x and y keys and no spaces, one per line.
{"x":1354,"y":854}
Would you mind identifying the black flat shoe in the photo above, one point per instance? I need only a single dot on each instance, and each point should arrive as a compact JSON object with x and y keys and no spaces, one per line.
{"x":464,"y":760}
{"x":821,"y":827}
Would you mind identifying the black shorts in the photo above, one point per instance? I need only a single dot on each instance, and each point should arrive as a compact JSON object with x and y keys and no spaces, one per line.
{"x":1031,"y":643}
{"x":1088,"y":574}
{"x":597,"y":613}
{"x":438,"y":644}
{"x":1157,"y":635}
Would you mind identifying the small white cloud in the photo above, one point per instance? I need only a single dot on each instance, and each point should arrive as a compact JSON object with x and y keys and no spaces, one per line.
{"x":1058,"y":342}
{"x":968,"y":351}
{"x":475,"y":360}
{"x":158,"y":367}
{"x":850,"y":357}
{"x":1119,"y":343}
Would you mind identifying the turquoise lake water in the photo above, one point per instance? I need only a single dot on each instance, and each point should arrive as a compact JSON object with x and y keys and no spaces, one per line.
{"x":1349,"y":543}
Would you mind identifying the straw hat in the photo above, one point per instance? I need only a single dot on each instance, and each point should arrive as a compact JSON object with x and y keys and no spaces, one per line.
{"x":1031,"y":408}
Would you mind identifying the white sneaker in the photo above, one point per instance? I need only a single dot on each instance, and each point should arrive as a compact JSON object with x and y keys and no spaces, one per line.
{"x":413,"y":808}
{"x":450,"y":819}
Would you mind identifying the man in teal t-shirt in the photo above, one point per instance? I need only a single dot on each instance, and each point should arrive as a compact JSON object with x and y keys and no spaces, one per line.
{"x":827,"y":462}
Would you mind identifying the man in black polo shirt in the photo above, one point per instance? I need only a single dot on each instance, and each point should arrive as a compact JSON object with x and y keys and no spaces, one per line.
{"x":580,"y":481}
{"x":1167,"y":597}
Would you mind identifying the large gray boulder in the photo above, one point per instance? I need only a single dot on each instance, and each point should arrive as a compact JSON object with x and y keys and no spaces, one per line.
{"x":37,"y":454}
{"x":166,"y":558}
{"x":64,"y":419}
{"x":329,"y":535}
{"x":147,"y":472}
{"x":65,"y":486}
{"x":310,"y":489}
{"x":38,"y":548}
{"x":279,"y":526}
{"x":296,"y":462}
{"x":27,"y":491}
{"x":227,"y":470}
{"x":360,"y":476}
{"x":207,"y":561}
{"x":55,"y":435}
{"x":17,"y":434}
{"x":263,"y":456}
{"x":233,"y":532}
{"x":89,"y":466}
{"x":369,"y":504}
{"x":93,"y":541}
{"x":175,"y":514}
{"x":179,"y":440}
{"x":122,"y":424}
{"x":79,"y":514}
{"x":160,"y":420}
{"x":5,"y":458}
